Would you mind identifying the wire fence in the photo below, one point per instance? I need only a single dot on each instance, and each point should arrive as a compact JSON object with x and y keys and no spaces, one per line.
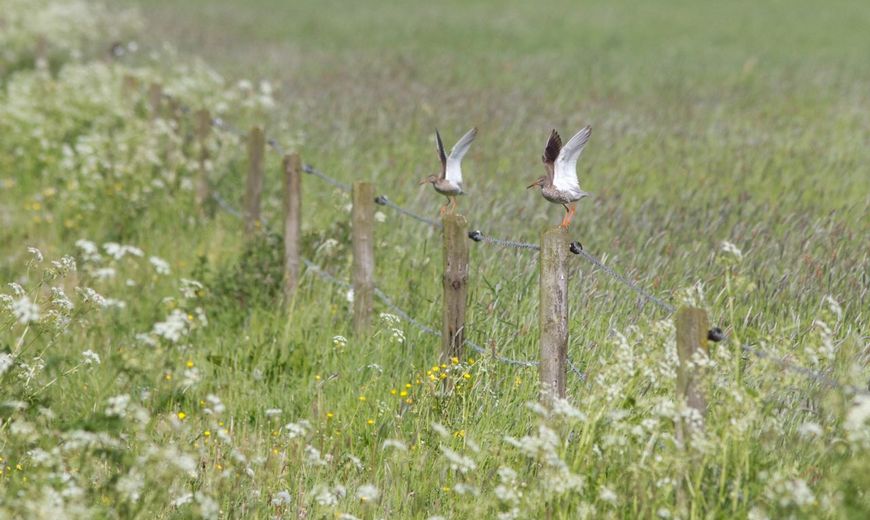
{"x":477,"y":236}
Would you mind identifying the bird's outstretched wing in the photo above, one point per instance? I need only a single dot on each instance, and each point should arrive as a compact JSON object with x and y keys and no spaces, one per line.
{"x":439,"y":148}
{"x":551,"y":151}
{"x":566,"y":177}
{"x":454,"y":171}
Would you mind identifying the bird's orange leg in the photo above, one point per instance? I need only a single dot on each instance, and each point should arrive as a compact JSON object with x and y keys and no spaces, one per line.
{"x":569,"y":214}
{"x":443,"y":209}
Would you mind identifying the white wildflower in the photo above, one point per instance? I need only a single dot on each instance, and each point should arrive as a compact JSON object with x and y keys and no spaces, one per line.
{"x":37,"y":254}
{"x":458,"y":462}
{"x":89,"y":295}
{"x":89,"y":250}
{"x":834,"y":307}
{"x":565,"y":409}
{"x":161,"y":266}
{"x":24,"y":310}
{"x":282,"y":498}
{"x":297,"y":429}
{"x":730,"y":248}
{"x":117,"y":406}
{"x":119,"y":251}
{"x":173,"y":328}
{"x":324,"y":496}
{"x":60,"y":300}
{"x":367,"y":493}
{"x":191,"y":377}
{"x":394,"y":443}
{"x":90,"y":357}
{"x":856,"y":423}
{"x":273,"y":412}
{"x":349,"y":295}
{"x":215,"y":406}
{"x":190,"y":288}
{"x":17,"y":290}
{"x":810,"y":429}
{"x":6,"y":362}
{"x":104,"y":273}
{"x":606,"y":494}
{"x":64,"y":266}
{"x":327,"y":247}
{"x":380,"y":217}
{"x":130,"y":485}
{"x":339,"y":341}
{"x":313,"y":457}
{"x":461,"y":488}
{"x":182,"y":500}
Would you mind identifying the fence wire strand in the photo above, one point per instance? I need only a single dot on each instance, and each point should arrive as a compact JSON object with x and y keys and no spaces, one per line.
{"x":806,"y":373}
{"x":384,"y":201}
{"x":307,"y":168}
{"x":478,"y":236}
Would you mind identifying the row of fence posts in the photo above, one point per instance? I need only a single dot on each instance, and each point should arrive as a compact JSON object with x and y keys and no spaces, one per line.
{"x":691,"y":323}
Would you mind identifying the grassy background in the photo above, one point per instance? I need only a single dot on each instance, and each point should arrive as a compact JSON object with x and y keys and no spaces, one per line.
{"x":729,"y":121}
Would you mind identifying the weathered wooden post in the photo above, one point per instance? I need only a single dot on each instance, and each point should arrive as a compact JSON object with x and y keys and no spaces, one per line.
{"x":363,"y":236}
{"x":292,"y":222}
{"x":203,"y":129}
{"x":455,"y":284}
{"x":554,"y":313}
{"x":692,"y":328}
{"x":155,"y":99}
{"x":254,"y":188}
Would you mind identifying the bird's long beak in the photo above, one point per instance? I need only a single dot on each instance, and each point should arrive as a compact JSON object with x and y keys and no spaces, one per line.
{"x":423,"y":181}
{"x":538,"y":182}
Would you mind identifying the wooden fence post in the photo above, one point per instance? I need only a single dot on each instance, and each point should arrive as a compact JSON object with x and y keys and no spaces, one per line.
{"x":554,"y":313}
{"x":692,"y":326}
{"x":362,"y":229}
{"x":155,"y":99}
{"x":203,"y":129}
{"x":292,"y":222}
{"x":254,"y":188}
{"x":455,"y":284}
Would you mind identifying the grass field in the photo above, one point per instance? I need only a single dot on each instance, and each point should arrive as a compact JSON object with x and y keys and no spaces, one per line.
{"x":712,"y":123}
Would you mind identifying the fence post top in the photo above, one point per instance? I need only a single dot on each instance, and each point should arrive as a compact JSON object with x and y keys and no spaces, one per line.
{"x":554,"y":231}
{"x":454,"y":218}
{"x":292,"y":162}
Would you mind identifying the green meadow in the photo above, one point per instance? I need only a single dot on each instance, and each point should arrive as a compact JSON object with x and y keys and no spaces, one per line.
{"x":150,"y":367}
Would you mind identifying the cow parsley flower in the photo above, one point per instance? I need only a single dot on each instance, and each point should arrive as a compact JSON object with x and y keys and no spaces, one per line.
{"x":458,"y":462}
{"x":173,"y":328}
{"x":6,"y":362}
{"x":297,"y":429}
{"x":91,"y":357}
{"x":161,"y":266}
{"x":730,"y":248}
{"x":37,"y":254}
{"x":24,"y":310}
{"x":117,"y":406}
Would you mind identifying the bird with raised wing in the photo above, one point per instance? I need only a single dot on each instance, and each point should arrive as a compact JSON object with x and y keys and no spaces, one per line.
{"x":561,"y":184}
{"x":449,"y":183}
